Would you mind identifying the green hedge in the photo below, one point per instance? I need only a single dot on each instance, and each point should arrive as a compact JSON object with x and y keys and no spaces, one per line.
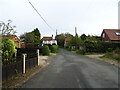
{"x":100,"y":47}
{"x":45,"y":50}
{"x":82,"y":52}
{"x":54,"y":48}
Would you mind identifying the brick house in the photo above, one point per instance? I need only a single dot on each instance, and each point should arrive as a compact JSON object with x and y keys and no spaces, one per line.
{"x":110,"y":35}
{"x":15,"y":39}
{"x":49,"y":41}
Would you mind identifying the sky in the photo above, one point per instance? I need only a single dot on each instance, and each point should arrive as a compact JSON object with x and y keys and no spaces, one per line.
{"x":89,"y":16}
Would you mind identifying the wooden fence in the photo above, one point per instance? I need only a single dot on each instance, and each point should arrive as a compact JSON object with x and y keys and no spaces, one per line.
{"x":15,"y":68}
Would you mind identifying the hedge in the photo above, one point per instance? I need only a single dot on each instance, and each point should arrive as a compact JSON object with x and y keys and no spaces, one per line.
{"x":45,"y":50}
{"x":54,"y":48}
{"x":100,"y":47}
{"x":82,"y":52}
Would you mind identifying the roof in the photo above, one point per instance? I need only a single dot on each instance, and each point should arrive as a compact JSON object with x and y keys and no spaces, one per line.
{"x":11,"y":36}
{"x":111,"y":33}
{"x":47,"y":38}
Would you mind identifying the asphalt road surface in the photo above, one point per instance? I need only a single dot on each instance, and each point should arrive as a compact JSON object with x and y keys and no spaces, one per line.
{"x":69,"y":70}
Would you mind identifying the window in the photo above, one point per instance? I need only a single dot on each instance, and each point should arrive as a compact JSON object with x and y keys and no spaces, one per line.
{"x":117,"y":33}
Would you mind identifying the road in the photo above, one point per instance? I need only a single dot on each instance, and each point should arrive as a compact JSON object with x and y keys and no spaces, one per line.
{"x":69,"y":70}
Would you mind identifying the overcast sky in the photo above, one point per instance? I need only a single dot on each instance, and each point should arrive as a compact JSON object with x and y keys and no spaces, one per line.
{"x":89,"y":16}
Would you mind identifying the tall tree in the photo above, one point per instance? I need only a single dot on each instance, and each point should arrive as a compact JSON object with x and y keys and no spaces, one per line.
{"x":83,"y":37}
{"x":37,"y":32}
{"x":37,"y":35}
{"x":31,"y":37}
{"x":60,"y":39}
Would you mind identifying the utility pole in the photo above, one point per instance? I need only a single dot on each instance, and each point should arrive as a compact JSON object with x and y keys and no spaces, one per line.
{"x":56,"y":32}
{"x":75,"y":31}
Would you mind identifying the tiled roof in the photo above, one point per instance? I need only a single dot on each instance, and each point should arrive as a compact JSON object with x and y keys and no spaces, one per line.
{"x":112,"y":33}
{"x":11,"y":36}
{"x":47,"y":38}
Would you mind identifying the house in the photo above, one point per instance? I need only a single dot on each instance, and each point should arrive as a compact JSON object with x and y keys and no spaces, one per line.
{"x":15,"y":39}
{"x":49,"y":41}
{"x":110,"y":35}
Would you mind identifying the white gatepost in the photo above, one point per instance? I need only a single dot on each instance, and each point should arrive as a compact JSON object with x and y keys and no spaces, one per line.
{"x":24,"y":55}
{"x":38,"y":56}
{"x":16,"y":54}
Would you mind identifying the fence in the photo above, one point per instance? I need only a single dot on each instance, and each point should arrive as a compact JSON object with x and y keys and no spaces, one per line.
{"x":28,"y":50}
{"x":17,"y":67}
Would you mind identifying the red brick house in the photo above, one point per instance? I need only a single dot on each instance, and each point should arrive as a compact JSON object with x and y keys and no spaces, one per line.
{"x":110,"y":35}
{"x":15,"y":39}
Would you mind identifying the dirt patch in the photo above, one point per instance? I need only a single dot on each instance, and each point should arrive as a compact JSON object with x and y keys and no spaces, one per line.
{"x":99,"y":57}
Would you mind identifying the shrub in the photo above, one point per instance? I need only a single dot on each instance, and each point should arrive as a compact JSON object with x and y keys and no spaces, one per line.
{"x":8,"y":49}
{"x":45,"y":50}
{"x":82,"y":52}
{"x":100,"y":47}
{"x":109,"y":49}
{"x":117,"y":51}
{"x":113,"y":55}
{"x":54,"y":48}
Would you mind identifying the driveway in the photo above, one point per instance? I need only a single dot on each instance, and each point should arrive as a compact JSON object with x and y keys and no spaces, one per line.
{"x":69,"y":70}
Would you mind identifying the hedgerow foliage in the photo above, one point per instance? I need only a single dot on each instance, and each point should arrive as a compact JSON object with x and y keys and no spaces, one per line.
{"x":8,"y":49}
{"x":45,"y":50}
{"x":54,"y":48}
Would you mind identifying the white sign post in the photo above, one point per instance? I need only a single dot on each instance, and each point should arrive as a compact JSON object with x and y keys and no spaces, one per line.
{"x":24,"y":55}
{"x":16,"y":54}
{"x":38,"y":56}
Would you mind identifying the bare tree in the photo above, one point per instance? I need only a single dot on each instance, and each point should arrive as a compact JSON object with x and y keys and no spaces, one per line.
{"x":6,"y":28}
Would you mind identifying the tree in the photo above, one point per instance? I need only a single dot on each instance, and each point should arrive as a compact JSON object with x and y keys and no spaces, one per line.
{"x":83,"y":37}
{"x":6,"y":28}
{"x":60,"y":39}
{"x":37,"y":33}
{"x":75,"y":41}
{"x":31,"y":37}
{"x":68,"y":35}
{"x":8,"y":49}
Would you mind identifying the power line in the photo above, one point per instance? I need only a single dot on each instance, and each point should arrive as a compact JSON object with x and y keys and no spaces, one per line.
{"x":40,"y":15}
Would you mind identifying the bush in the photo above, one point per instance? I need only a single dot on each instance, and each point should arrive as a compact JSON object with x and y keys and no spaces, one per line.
{"x":82,"y":52}
{"x":109,"y":49}
{"x":54,"y":48}
{"x":45,"y":50}
{"x":117,"y":51}
{"x":113,"y":55}
{"x":100,"y":47}
{"x":8,"y":49}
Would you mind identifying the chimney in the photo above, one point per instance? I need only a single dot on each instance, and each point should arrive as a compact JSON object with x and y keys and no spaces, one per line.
{"x":52,"y":36}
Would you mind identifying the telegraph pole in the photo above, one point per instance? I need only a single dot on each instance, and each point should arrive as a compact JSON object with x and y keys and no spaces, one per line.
{"x":75,"y":31}
{"x":56,"y":32}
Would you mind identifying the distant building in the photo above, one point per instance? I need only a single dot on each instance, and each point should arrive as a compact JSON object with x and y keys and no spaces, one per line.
{"x":110,"y":35}
{"x":49,"y":41}
{"x":15,"y":39}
